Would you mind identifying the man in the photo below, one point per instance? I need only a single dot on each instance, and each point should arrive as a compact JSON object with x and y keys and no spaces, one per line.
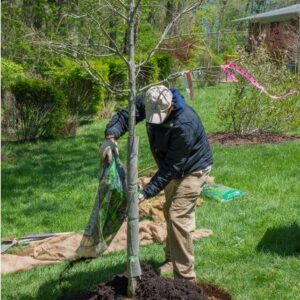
{"x":180,"y":148}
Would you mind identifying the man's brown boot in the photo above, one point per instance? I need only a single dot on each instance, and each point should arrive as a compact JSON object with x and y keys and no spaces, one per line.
{"x":166,"y":267}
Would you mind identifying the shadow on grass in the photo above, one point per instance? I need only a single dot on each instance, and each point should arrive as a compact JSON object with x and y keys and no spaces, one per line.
{"x":50,"y":164}
{"x":75,"y":283}
{"x":283,"y":240}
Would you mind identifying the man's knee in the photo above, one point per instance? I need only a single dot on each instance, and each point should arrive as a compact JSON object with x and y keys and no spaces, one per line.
{"x":184,"y":221}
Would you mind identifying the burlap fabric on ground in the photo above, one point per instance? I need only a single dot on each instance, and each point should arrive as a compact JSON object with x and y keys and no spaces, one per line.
{"x":64,"y":246}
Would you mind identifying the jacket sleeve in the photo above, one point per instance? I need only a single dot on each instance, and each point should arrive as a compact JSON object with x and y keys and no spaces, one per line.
{"x":118,"y":125}
{"x":176,"y":157}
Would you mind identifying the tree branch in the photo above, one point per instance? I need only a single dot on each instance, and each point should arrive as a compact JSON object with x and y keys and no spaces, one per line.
{"x":96,"y":77}
{"x":74,"y":16}
{"x":105,"y":83}
{"x":116,"y":10}
{"x":175,"y":75}
{"x":116,"y":48}
{"x":168,"y":28}
{"x":78,"y":49}
{"x":136,"y":7}
{"x":85,"y":64}
{"x":174,"y":49}
{"x":123,"y":4}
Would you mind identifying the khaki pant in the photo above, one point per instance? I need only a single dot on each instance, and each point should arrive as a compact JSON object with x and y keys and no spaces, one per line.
{"x":179,"y":211}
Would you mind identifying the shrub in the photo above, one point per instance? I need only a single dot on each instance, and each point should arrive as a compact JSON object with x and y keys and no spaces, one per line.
{"x":149,"y":73}
{"x":10,"y":73}
{"x":85,"y":96}
{"x":118,"y":79}
{"x":41,"y":109}
{"x":181,"y":49}
{"x":164,"y":63}
{"x":109,"y":109}
{"x":118,"y":73}
{"x":71,"y":126}
{"x":247,"y":109}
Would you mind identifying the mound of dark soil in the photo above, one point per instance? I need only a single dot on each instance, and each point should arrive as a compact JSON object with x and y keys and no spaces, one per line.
{"x":236,"y":139}
{"x":153,"y":287}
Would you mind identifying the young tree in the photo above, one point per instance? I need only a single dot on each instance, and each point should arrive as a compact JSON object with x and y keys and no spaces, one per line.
{"x":113,"y":19}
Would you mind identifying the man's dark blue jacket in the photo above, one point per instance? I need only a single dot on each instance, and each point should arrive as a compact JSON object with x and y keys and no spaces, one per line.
{"x":179,"y":145}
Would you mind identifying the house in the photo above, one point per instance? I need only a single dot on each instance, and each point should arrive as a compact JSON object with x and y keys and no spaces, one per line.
{"x":280,"y":30}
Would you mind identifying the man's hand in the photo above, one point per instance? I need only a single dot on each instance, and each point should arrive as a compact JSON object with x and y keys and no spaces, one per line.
{"x":141,"y":197}
{"x":107,"y":149}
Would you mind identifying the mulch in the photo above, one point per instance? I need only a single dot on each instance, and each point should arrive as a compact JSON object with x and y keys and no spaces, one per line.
{"x":153,"y":287}
{"x":236,"y":139}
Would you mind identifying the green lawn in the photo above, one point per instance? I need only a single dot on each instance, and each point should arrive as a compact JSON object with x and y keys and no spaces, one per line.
{"x":254,"y":252}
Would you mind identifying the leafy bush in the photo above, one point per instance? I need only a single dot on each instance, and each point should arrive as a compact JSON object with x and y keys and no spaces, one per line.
{"x":182,"y":49}
{"x":84,"y":94}
{"x":41,"y":109}
{"x":87,"y":98}
{"x":247,"y":109}
{"x":11,"y":72}
{"x":71,"y":126}
{"x":118,"y":79}
{"x":118,"y":73}
{"x":158,"y":67}
{"x":109,"y":109}
{"x":164,"y":63}
{"x":149,"y":73}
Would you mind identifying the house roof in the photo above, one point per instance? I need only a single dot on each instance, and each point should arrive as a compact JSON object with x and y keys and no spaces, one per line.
{"x":281,"y":14}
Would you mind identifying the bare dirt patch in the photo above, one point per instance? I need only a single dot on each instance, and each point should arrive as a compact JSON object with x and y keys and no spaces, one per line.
{"x":236,"y":139}
{"x":153,"y":287}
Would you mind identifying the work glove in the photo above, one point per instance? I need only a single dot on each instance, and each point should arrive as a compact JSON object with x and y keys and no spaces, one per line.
{"x":107,"y":149}
{"x":141,"y":197}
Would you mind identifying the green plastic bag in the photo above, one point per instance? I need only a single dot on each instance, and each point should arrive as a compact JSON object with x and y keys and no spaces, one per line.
{"x":108,"y":213}
{"x":113,"y":206}
{"x":220,"y":193}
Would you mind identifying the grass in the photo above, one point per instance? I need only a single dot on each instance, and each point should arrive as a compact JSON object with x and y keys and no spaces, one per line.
{"x":254,"y":252}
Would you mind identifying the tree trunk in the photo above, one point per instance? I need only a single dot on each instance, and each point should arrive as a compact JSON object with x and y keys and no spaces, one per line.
{"x":133,"y":264}
{"x":171,"y":8}
{"x":221,"y":24}
{"x":136,"y":24}
{"x":112,"y":31}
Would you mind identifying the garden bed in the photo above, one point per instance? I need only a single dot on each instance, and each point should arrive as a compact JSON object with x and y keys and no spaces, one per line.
{"x":153,"y":287}
{"x":237,"y":139}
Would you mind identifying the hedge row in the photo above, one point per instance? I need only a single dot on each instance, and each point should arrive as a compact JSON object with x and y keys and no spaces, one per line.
{"x":84,"y":94}
{"x":86,"y":97}
{"x":42,"y":109}
{"x":44,"y":105}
